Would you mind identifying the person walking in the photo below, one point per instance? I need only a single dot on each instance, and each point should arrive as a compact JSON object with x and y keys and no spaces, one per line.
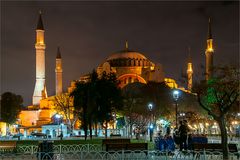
{"x":183,"y":132}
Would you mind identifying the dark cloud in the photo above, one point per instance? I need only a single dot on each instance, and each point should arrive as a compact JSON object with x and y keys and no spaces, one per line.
{"x":88,"y":32}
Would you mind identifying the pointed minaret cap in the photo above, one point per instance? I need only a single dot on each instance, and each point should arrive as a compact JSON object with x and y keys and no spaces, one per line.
{"x":209,"y":29}
{"x":40,"y":23}
{"x":126,"y":45}
{"x":58,"y":53}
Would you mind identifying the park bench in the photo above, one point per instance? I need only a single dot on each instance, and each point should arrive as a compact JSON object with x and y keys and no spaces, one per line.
{"x":215,"y":147}
{"x":115,"y":141}
{"x":115,"y":135}
{"x":7,"y":146}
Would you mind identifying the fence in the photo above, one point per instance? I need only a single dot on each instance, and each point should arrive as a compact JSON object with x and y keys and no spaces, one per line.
{"x":94,"y":152}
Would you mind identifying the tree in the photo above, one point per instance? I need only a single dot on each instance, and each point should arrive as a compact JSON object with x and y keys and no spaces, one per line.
{"x":81,"y":96}
{"x":109,"y":99}
{"x":11,"y":105}
{"x":217,"y":97}
{"x":97,"y":100}
{"x":132,"y":104}
{"x":64,"y":105}
{"x":137,"y":96}
{"x":160,"y":95}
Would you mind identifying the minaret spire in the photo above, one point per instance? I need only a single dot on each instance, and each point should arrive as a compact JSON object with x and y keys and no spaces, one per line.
{"x":209,"y":29}
{"x":126,"y":45}
{"x":209,"y":52}
{"x":189,"y":70}
{"x":189,"y":55}
{"x":58,"y":72}
{"x":58,"y":53}
{"x":40,"y":23}
{"x":40,"y":91}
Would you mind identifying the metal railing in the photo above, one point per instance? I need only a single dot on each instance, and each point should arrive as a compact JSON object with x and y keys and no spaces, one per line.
{"x":94,"y":152}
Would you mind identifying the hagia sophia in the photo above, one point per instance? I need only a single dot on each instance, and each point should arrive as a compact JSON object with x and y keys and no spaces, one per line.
{"x":128,"y":65}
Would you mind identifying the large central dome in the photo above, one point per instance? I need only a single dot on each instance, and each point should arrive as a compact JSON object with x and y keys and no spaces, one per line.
{"x":128,"y":58}
{"x":131,"y":66}
{"x":126,"y":54}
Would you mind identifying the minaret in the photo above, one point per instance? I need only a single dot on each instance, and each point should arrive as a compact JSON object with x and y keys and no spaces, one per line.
{"x":209,"y":53}
{"x":189,"y":71}
{"x":126,"y":45}
{"x":40,"y":91}
{"x":58,"y":71}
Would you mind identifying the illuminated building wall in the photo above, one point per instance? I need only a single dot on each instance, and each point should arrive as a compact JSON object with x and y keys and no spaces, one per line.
{"x":28,"y":117}
{"x":171,"y":82}
{"x":3,"y":127}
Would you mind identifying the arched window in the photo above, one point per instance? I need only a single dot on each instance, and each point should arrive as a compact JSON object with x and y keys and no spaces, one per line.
{"x":54,"y":133}
{"x":130,"y":80}
{"x":47,"y":132}
{"x":129,"y":62}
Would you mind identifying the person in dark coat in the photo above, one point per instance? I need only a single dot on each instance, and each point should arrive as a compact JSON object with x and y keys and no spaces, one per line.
{"x":176,"y":136}
{"x":183,"y":132}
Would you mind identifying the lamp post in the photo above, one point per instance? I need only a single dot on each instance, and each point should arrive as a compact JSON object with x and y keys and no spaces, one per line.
{"x":150,"y":107}
{"x":175,"y":97}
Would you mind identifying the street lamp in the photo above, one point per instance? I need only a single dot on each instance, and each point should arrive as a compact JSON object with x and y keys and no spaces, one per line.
{"x":175,"y":97}
{"x":150,"y":107}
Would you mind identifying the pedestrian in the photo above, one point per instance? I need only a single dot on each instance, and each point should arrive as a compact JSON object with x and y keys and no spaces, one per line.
{"x":176,"y":136}
{"x":137,"y":131}
{"x":168,"y":130}
{"x":159,"y":141}
{"x":183,"y":132}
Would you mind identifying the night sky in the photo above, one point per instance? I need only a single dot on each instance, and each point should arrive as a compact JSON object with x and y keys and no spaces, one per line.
{"x":88,"y":32}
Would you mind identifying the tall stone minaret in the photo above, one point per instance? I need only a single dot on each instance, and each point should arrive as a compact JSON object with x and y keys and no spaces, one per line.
{"x":58,"y":71}
{"x":189,"y":72}
{"x":40,"y":91}
{"x":209,"y":53}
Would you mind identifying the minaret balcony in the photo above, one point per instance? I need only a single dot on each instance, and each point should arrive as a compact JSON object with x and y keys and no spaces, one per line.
{"x":40,"y":46}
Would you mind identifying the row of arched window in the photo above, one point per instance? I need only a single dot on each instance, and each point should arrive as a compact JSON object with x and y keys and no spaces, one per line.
{"x":130,"y":62}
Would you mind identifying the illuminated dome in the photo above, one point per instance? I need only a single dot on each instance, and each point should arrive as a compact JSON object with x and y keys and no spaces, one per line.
{"x":127,"y":54}
{"x":127,"y":58}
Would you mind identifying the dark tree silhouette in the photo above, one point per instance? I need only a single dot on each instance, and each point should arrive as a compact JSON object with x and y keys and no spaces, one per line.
{"x":81,"y":97}
{"x":97,"y":100}
{"x":217,"y":97}
{"x":133,"y":104}
{"x":11,"y":105}
{"x":109,"y":99}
